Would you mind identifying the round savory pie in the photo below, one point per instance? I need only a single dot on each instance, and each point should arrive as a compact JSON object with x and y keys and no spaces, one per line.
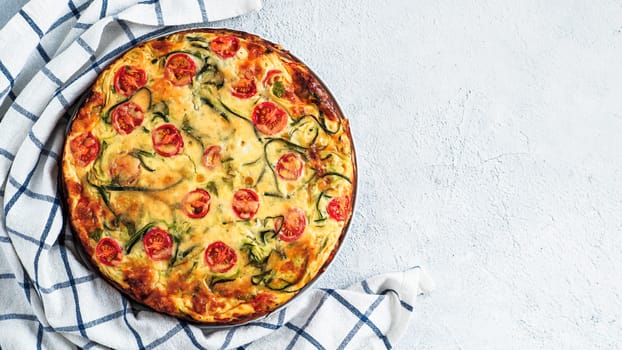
{"x":209,"y":175}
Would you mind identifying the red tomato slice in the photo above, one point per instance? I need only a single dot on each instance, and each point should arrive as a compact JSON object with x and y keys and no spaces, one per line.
{"x":167,"y":140}
{"x":108,"y":252}
{"x":289,"y":166}
{"x":263,"y":301}
{"x":220,"y":257}
{"x":294,"y":223}
{"x":245,"y":203}
{"x":180,"y":69}
{"x":128,"y":79}
{"x":225,"y":46}
{"x":88,"y":214}
{"x":338,"y":208}
{"x":271,"y":77}
{"x":268,"y":118}
{"x":211,"y":157}
{"x":158,"y":244}
{"x":254,"y":50}
{"x":126,"y":117}
{"x":195,"y":204}
{"x":285,"y":91}
{"x":244,"y":88}
{"x":84,"y":148}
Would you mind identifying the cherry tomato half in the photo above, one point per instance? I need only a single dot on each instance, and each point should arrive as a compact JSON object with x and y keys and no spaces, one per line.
{"x":108,"y":252}
{"x":180,"y":69}
{"x":263,"y":301}
{"x":126,"y":117}
{"x":84,"y":148}
{"x":167,"y":140}
{"x":128,"y":79}
{"x":225,"y":46}
{"x":245,"y":203}
{"x":294,"y":223}
{"x":271,"y":77}
{"x":195,"y":204}
{"x":338,"y":208}
{"x":88,"y":214}
{"x":220,"y":257}
{"x":244,"y":88}
{"x":289,"y":166}
{"x":211,"y":157}
{"x":254,"y":50}
{"x":283,"y":90}
{"x":269,"y":118}
{"x":158,"y":244}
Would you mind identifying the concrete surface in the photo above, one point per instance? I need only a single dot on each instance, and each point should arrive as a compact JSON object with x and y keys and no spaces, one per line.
{"x":488,"y":135}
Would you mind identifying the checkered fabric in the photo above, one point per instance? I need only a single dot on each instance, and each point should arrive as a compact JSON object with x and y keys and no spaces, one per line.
{"x":51,"y":52}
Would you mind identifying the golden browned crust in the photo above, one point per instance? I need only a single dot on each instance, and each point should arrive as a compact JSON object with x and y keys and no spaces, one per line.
{"x":115,"y":194}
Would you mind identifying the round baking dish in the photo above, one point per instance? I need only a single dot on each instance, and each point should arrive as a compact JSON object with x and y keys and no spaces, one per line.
{"x":138,"y":304}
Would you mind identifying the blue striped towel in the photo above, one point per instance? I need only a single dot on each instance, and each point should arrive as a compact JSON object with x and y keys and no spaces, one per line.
{"x":50,"y":52}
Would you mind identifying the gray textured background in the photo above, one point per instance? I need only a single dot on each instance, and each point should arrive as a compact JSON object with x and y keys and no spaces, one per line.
{"x":488,"y":136}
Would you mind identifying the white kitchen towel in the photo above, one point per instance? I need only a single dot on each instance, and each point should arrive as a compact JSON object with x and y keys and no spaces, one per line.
{"x":51,"y":52}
